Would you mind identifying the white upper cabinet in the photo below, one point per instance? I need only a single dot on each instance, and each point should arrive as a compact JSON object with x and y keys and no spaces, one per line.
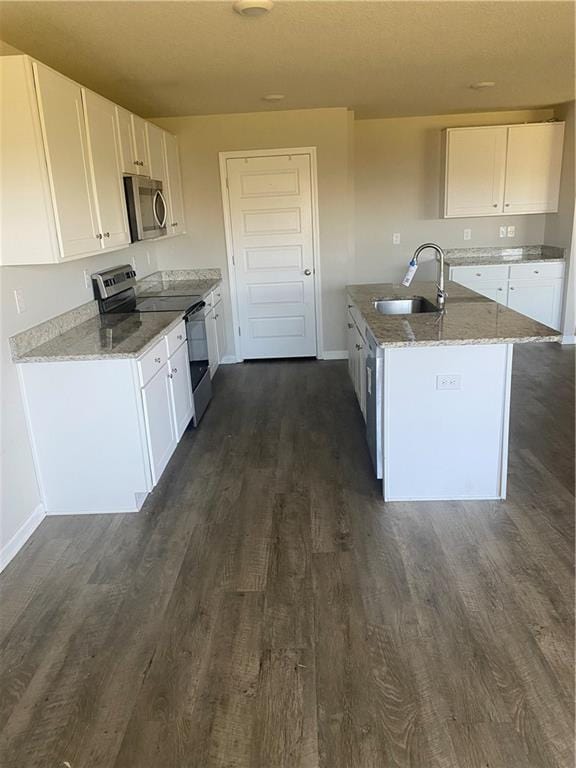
{"x":533,"y":166}
{"x":155,"y":151}
{"x":65,"y":145}
{"x":105,"y":164}
{"x":133,"y":144}
{"x":497,"y":170}
{"x":175,"y":224}
{"x":475,"y":165}
{"x":140,"y":145}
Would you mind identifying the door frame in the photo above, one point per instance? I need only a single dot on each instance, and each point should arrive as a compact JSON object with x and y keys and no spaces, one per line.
{"x":223,"y":157}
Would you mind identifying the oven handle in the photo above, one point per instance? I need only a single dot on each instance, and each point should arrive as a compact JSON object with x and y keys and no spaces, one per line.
{"x":195,"y":310}
{"x":163,"y":222}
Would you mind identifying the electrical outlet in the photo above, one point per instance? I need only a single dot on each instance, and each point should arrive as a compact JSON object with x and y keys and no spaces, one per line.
{"x":87,"y":279}
{"x":19,"y":299}
{"x":512,"y":231}
{"x":396,"y":238}
{"x":467,"y":234}
{"x":503,"y":232}
{"x":448,"y":381}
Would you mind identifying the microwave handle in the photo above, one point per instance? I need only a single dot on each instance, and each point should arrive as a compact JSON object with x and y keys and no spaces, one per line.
{"x":163,"y":222}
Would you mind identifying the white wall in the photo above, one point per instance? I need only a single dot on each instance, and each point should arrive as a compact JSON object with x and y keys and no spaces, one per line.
{"x":560,"y":226}
{"x":398,"y":173}
{"x":48,"y":291}
{"x":202,"y":138}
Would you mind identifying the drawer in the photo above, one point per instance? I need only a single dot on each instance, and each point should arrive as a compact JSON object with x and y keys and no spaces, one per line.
{"x":216,"y":295}
{"x":152,"y":361}
{"x":355,"y":316}
{"x":471,"y":275}
{"x":175,"y":338}
{"x":537,"y":269}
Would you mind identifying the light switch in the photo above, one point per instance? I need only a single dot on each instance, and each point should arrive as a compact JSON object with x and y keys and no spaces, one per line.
{"x":512,"y":231}
{"x":396,"y":238}
{"x":19,"y":299}
{"x":503,"y":232}
{"x":87,"y":279}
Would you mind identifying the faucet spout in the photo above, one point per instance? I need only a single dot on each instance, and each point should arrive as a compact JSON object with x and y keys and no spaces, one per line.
{"x":440,"y":293}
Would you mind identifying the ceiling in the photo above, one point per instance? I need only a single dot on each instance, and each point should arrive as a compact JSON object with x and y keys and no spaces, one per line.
{"x":382,"y":59}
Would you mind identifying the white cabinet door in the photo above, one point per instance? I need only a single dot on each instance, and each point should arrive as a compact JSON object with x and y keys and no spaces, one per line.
{"x":220,"y":329}
{"x":360,"y":370}
{"x":538,"y":299}
{"x":128,"y":159}
{"x":64,"y":136}
{"x":533,"y":168}
{"x":496,"y":290}
{"x":212,"y":338}
{"x":475,"y":169}
{"x":351,"y":336}
{"x":176,"y":225}
{"x":160,"y":431}
{"x":181,"y":389}
{"x":156,"y":156}
{"x":105,"y":164}
{"x":140,"y":145}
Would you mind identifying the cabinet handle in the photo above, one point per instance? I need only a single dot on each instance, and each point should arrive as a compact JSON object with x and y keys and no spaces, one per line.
{"x":511,"y":287}
{"x":358,"y":346}
{"x":536,"y":271}
{"x":350,"y":325}
{"x":507,"y":205}
{"x":215,"y":317}
{"x":170,"y":376}
{"x":350,"y":306}
{"x":495,"y":205}
{"x":106,"y":234}
{"x":136,"y":162}
{"x":174,"y":224}
{"x":179,"y":337}
{"x":98,"y":236}
{"x":174,"y":370}
{"x":478,"y":274}
{"x":500,"y":289}
{"x":157,"y":359}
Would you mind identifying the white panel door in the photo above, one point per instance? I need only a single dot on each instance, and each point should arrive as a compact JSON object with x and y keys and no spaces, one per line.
{"x":181,"y":389}
{"x":64,"y":135}
{"x":475,"y":169}
{"x":271,"y":216}
{"x":175,"y":223}
{"x":533,"y":167}
{"x":160,"y":430}
{"x":539,"y":299}
{"x":105,"y":161}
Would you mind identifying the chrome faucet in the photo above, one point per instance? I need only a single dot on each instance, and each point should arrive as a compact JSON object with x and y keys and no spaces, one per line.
{"x":441,"y":293}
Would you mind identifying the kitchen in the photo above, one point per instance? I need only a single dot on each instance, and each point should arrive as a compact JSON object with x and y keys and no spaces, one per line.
{"x":368,"y":191}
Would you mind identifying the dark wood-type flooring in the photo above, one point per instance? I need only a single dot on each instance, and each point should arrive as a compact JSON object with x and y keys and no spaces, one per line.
{"x":266,"y":609}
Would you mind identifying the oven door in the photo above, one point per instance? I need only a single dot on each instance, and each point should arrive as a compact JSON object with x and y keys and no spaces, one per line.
{"x":197,"y":345}
{"x":147,"y":210}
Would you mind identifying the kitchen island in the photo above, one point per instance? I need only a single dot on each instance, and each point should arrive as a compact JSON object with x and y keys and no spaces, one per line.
{"x":434,"y":388}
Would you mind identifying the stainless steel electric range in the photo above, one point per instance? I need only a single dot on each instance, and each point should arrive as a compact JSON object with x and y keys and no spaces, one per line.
{"x":115,"y":290}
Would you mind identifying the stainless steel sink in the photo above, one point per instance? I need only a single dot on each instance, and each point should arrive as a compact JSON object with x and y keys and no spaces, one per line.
{"x":414,"y":305}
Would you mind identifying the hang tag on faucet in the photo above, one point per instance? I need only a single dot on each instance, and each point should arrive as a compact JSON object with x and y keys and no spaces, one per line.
{"x":408,"y":277}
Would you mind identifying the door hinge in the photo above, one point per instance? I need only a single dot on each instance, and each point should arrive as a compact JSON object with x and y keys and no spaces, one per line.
{"x":239,"y":331}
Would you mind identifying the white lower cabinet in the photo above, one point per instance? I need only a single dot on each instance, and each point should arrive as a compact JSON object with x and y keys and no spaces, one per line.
{"x":357,"y":361}
{"x":215,"y":330}
{"x":103,"y":431}
{"x":531,"y":288}
{"x":158,"y":416}
{"x":180,"y":389}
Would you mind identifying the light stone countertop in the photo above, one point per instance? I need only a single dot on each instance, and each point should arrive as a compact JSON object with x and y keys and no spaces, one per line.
{"x":164,"y":286}
{"x":105,"y":337}
{"x":468,"y":318}
{"x":470,"y":257}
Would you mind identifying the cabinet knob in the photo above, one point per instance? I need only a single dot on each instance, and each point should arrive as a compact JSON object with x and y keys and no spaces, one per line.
{"x":478,"y":274}
{"x":170,"y":376}
{"x":358,"y":346}
{"x":157,"y":359}
{"x":350,"y":325}
{"x":495,"y":205}
{"x":98,"y":236}
{"x":136,"y":162}
{"x":507,"y":205}
{"x":179,"y":337}
{"x":106,"y":234}
{"x":500,"y":289}
{"x":174,"y":224}
{"x":536,"y":271}
{"x":174,"y":370}
{"x":511,"y":287}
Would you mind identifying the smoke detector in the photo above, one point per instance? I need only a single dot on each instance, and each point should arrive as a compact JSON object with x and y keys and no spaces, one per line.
{"x":252,"y":7}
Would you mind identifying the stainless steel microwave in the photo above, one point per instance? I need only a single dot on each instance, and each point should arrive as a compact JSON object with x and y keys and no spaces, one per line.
{"x":147,"y":210}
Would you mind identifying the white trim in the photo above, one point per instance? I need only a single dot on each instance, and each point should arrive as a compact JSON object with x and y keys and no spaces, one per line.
{"x":12,"y":547}
{"x":505,"y":425}
{"x":228,"y":360}
{"x":223,"y":157}
{"x":568,"y":340}
{"x":68,"y":512}
{"x":334,"y":354}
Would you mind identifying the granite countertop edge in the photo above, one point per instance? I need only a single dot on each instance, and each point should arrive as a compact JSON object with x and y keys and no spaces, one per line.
{"x":365,"y":293}
{"x":64,"y":358}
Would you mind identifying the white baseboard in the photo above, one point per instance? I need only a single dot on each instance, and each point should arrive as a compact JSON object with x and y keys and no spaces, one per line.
{"x":228,"y":360}
{"x":568,"y":340}
{"x":12,"y":547}
{"x":334,"y":354}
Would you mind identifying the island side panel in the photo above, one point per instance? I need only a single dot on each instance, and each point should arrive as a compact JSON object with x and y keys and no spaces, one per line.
{"x":446,"y":444}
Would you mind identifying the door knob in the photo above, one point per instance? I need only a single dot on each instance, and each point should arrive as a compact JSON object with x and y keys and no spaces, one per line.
{"x":307,"y":271}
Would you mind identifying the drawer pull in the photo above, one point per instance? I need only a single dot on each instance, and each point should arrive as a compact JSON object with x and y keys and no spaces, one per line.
{"x":350,"y":325}
{"x":157,"y":359}
{"x":179,"y":337}
{"x":478,"y":274}
{"x":500,"y":289}
{"x":536,"y":271}
{"x":495,"y":205}
{"x":511,"y":287}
